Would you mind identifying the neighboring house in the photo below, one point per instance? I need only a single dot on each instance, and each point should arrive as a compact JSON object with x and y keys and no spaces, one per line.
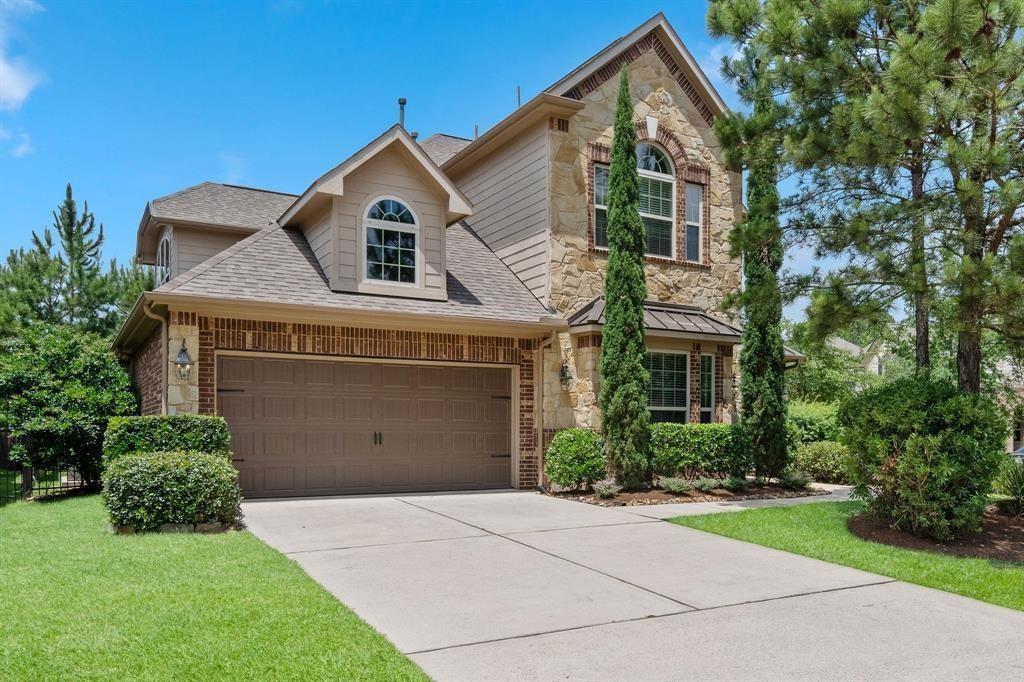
{"x":871,"y":357}
{"x":425,"y":315}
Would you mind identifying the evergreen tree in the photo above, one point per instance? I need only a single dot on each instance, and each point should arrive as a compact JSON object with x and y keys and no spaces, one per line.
{"x":754,"y":142}
{"x":625,"y":419}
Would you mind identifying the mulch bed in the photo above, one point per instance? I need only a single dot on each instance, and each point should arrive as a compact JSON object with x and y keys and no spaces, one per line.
{"x":1001,"y":537}
{"x":640,"y":498}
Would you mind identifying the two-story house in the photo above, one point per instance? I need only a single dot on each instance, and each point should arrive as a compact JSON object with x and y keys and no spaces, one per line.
{"x":426,"y":314}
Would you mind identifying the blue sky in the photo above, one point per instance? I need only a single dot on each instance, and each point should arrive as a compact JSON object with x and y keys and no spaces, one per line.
{"x":129,"y":101}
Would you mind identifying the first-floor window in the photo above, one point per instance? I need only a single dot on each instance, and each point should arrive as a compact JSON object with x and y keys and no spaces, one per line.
{"x":669,"y":397}
{"x":707,"y":389}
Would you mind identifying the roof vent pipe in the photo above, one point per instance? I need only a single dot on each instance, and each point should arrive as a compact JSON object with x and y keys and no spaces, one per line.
{"x":401,"y":111}
{"x":414,"y":135}
{"x":476,"y":131}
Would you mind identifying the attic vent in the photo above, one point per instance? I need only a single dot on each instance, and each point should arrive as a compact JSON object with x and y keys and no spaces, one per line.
{"x":563,"y":125}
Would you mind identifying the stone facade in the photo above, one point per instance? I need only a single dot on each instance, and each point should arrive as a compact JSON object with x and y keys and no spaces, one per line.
{"x":577,"y":268}
{"x":204,"y":336}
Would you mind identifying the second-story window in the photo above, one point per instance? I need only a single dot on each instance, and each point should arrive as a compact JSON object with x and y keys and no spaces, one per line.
{"x":694,"y":220}
{"x":391,"y":232}
{"x":657,"y":201}
{"x":163,"y":261}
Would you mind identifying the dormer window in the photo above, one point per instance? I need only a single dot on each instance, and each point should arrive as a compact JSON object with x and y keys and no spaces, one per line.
{"x":162,"y":268}
{"x":391,"y":233}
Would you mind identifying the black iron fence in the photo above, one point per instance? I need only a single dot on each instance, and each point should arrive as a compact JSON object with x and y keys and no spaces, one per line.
{"x":19,"y":482}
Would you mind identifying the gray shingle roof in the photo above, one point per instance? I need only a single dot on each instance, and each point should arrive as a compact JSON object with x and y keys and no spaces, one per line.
{"x":277,"y":265}
{"x":670,"y":317}
{"x":440,"y":147}
{"x":212,"y":203}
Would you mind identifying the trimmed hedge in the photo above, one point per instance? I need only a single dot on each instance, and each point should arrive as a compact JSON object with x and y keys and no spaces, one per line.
{"x":924,"y":454}
{"x":808,"y":422}
{"x":576,"y":459}
{"x":146,"y":490}
{"x":826,"y":461}
{"x":188,"y":432}
{"x":690,"y":451}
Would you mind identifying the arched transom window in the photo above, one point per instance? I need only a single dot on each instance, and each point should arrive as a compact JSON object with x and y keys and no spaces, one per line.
{"x":657,"y":200}
{"x":391,"y":233}
{"x":163,"y":261}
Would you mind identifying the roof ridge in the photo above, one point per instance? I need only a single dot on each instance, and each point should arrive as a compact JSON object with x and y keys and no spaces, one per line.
{"x":213,"y":261}
{"x":254,"y":189}
{"x":182,"y":191}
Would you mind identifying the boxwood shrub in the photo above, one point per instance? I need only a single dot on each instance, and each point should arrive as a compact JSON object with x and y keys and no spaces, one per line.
{"x":190,"y":432}
{"x":575,"y":459}
{"x":690,"y":451}
{"x":825,"y":461}
{"x":145,"y":490}
{"x":924,"y":455}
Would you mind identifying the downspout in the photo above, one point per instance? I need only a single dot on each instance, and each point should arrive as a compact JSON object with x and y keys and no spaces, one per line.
{"x":147,"y":309}
{"x":540,"y":402}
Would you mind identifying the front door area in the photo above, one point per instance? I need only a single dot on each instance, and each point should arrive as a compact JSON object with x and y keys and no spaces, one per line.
{"x":328,"y":427}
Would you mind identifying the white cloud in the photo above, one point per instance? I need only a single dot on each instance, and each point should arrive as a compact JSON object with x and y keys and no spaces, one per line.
{"x":711,"y":63}
{"x":233,"y":167}
{"x":23,"y":147}
{"x":18,"y":78}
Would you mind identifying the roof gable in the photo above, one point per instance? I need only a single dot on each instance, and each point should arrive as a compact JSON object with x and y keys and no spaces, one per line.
{"x":654,"y":34}
{"x":332,"y":183}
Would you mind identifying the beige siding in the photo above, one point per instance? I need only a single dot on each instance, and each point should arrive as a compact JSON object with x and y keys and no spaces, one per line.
{"x":389,"y":174}
{"x":192,"y":246}
{"x":318,"y":234}
{"x":509,"y":193}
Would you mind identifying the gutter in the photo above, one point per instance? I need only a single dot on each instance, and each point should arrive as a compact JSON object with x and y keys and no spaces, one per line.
{"x":147,"y":308}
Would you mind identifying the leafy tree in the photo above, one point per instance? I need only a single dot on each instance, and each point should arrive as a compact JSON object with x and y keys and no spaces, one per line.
{"x":754,"y":141}
{"x":59,"y":279}
{"x":625,"y":419}
{"x":58,"y":388}
{"x":827,"y":374}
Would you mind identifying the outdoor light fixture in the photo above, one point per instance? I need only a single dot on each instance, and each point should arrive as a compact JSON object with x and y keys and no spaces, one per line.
{"x":735,"y":382}
{"x":564,"y":377}
{"x":183,"y":363}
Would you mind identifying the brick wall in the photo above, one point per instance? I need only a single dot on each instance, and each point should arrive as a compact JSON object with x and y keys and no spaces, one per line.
{"x":217,"y":333}
{"x":147,"y":375}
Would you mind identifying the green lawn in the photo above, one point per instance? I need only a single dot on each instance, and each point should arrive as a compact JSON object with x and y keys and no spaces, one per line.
{"x":78,"y":602}
{"x":819,"y":530}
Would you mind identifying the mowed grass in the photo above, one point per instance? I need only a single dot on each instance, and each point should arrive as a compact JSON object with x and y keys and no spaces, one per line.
{"x":78,"y":602}
{"x":819,"y":530}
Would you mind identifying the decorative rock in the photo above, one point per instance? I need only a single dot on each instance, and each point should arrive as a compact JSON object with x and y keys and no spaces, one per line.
{"x":121,"y":530}
{"x":211,"y":527}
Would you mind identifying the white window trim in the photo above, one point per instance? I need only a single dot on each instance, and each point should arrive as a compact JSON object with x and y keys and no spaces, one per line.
{"x":163,"y":269}
{"x":710,"y":410}
{"x":689,"y":385}
{"x":654,"y":176}
{"x":699,"y":224}
{"x":394,"y":227}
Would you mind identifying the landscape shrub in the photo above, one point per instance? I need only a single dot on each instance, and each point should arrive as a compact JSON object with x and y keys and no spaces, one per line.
{"x":825,"y":461}
{"x":1010,"y":488}
{"x":810,"y":422}
{"x":794,"y":479}
{"x":675,"y":486}
{"x":924,"y":455}
{"x":58,"y":388}
{"x":692,"y":450}
{"x":145,"y":490}
{"x":576,"y":459}
{"x":189,"y":432}
{"x":735,"y":484}
{"x":607,"y":489}
{"x":706,"y":485}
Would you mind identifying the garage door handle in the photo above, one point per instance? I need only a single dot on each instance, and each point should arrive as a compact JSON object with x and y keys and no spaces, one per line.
{"x":501,"y":456}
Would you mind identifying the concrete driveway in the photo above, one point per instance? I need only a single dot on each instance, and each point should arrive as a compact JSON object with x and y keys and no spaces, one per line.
{"x":516,"y":585}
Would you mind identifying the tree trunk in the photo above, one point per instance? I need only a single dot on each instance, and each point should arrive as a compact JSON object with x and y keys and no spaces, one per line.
{"x":922,"y":358}
{"x":969,"y":312}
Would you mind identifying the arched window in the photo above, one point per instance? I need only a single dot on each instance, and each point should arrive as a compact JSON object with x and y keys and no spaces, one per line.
{"x":163,"y":260}
{"x":391,"y":232}
{"x":657,"y":200}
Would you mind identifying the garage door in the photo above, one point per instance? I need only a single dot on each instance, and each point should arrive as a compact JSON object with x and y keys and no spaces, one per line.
{"x":305,"y":427}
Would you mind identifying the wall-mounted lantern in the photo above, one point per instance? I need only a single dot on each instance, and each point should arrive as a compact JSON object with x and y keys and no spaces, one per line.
{"x":564,"y":377}
{"x":183,"y":363}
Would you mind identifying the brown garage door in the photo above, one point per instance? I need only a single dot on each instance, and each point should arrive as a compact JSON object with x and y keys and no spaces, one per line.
{"x":306,"y":427}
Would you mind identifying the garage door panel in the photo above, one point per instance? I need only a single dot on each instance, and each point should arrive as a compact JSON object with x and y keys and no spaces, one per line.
{"x":311,"y":430}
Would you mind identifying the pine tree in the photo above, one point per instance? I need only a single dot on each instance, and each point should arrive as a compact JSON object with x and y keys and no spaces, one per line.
{"x":754,"y":142}
{"x":625,"y":419}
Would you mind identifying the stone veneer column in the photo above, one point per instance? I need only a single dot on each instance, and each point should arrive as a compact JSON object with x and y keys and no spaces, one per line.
{"x":182,"y":395}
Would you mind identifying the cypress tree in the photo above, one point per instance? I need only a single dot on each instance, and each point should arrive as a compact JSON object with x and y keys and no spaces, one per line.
{"x":625,"y":419}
